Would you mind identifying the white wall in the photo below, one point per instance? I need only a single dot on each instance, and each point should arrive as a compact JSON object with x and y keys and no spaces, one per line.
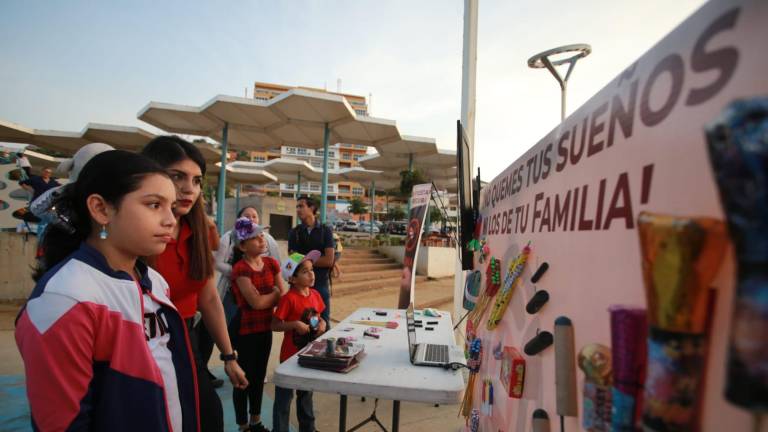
{"x":433,"y":262}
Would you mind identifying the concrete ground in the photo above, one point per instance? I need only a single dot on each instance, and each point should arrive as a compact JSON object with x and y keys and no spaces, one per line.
{"x":413,"y":416}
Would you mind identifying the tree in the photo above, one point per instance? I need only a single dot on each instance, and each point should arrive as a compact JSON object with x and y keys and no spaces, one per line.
{"x":396,"y":213}
{"x":356,"y":206}
{"x":408,"y":179}
{"x":435,"y":215}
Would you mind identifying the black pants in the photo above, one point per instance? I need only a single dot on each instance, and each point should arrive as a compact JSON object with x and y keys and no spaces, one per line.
{"x":253,"y":356}
{"x":205,"y":342}
{"x":211,"y":413}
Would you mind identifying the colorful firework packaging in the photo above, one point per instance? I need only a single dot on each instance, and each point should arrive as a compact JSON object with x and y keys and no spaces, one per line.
{"x":738,"y":150}
{"x":512,"y":372}
{"x":492,"y":283}
{"x":595,"y":361}
{"x":493,"y":276}
{"x":681,"y":257}
{"x":514,"y":271}
{"x":629,"y":336}
{"x":472,"y":289}
{"x":473,"y":363}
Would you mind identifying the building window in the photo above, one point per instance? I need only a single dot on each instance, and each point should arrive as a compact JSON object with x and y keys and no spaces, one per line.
{"x":346,"y":156}
{"x":314,"y":187}
{"x":361,"y":146}
{"x":357,"y":157}
{"x":290,"y":150}
{"x":357,"y":191}
{"x":302,"y":151}
{"x":361,"y":112}
{"x":317,"y":163}
{"x":260,"y":159}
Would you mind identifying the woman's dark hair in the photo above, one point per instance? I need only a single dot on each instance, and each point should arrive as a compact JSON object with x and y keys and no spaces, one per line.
{"x":168,"y":150}
{"x":237,"y":254}
{"x":111,"y":174}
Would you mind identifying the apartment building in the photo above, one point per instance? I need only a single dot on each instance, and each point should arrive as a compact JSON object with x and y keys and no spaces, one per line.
{"x":339,"y":155}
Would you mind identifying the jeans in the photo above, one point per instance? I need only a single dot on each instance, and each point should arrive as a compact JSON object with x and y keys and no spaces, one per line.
{"x":281,"y":411}
{"x":321,"y":285}
{"x":230,"y":306}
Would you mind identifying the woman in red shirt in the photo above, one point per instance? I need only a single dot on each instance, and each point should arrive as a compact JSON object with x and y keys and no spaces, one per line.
{"x":187,"y":266}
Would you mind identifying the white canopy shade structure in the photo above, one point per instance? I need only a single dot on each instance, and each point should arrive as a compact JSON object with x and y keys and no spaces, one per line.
{"x":293,"y":170}
{"x":41,"y":161}
{"x":299,"y":117}
{"x":120,"y":137}
{"x":128,"y":138}
{"x":290,"y":171}
{"x":15,"y":133}
{"x":249,"y":175}
{"x":439,"y":165}
{"x":60,"y":141}
{"x":408,"y":145}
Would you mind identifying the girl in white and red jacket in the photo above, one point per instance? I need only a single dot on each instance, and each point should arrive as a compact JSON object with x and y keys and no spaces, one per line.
{"x":103,"y":347}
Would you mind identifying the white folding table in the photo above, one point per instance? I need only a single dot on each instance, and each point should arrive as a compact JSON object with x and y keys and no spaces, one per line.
{"x":386,"y":371}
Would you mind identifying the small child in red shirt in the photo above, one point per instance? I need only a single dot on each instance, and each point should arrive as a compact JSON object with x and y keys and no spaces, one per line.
{"x":257,"y":287}
{"x":298,"y":315}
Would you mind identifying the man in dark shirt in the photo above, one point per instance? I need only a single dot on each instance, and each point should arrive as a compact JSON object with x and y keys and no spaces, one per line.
{"x":309,"y":235}
{"x":38,"y":185}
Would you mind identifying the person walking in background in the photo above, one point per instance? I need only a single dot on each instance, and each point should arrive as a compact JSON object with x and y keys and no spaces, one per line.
{"x":23,"y":163}
{"x":187,"y":265}
{"x":298,"y":315}
{"x":103,"y":346}
{"x":310,"y":235}
{"x":257,"y":287}
{"x":69,"y":169}
{"x":39,"y":185}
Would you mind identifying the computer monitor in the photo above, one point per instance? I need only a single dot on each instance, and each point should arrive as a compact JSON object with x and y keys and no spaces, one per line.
{"x":467,"y":199}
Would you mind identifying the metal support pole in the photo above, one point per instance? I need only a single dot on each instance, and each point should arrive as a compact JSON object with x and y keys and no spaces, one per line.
{"x":562,"y":81}
{"x":395,"y":416}
{"x":324,"y":185}
{"x":237,"y":197}
{"x":410,"y":170}
{"x":222,"y":190}
{"x":298,"y":185}
{"x":343,"y":413}
{"x":373,"y":203}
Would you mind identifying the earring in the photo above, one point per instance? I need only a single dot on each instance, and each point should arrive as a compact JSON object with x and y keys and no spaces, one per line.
{"x":103,"y":234}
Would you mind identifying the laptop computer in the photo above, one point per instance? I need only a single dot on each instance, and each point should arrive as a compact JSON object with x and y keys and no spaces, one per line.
{"x":437,"y":355}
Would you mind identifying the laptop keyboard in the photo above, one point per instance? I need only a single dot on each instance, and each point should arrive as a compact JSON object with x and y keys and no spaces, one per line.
{"x":436,"y":353}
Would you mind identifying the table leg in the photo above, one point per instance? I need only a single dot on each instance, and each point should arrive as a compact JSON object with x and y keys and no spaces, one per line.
{"x":395,"y":416}
{"x":343,"y":413}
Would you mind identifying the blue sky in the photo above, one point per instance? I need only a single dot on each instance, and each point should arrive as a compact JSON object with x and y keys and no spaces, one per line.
{"x":67,"y":63}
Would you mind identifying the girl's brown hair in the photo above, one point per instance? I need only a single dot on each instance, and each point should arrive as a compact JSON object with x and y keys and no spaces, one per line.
{"x":168,"y":150}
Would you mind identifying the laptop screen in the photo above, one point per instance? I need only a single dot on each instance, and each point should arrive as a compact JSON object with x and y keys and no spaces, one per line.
{"x":410,"y":324}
